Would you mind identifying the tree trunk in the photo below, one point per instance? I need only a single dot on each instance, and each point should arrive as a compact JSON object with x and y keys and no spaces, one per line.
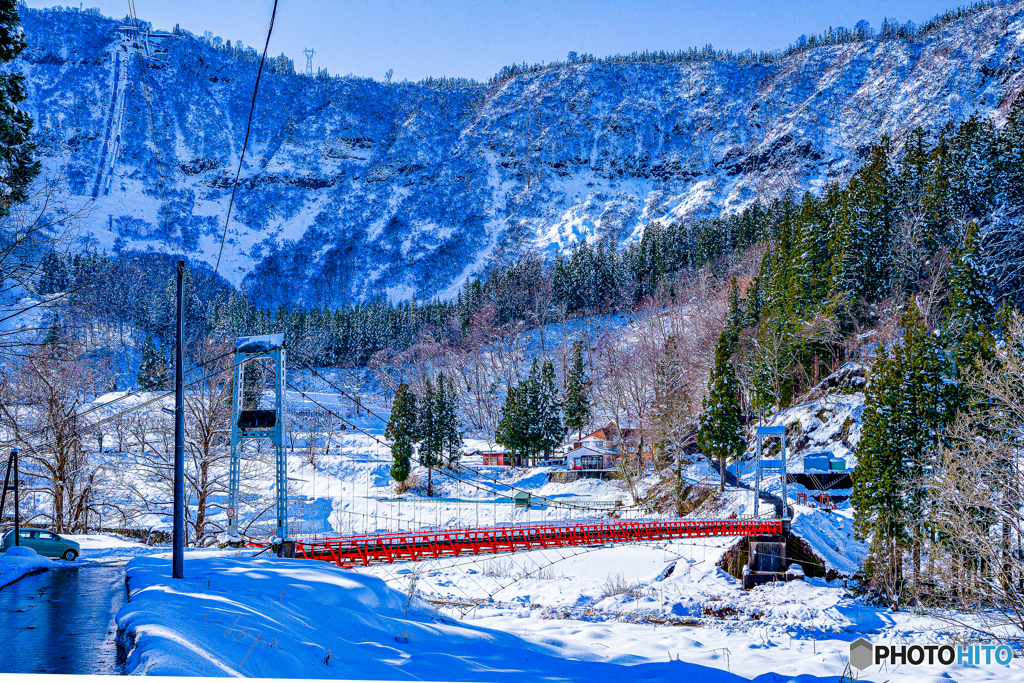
{"x":916,"y":554}
{"x":430,"y":482}
{"x":721,"y":469}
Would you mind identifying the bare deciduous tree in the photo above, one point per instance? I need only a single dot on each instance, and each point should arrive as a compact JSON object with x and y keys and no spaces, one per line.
{"x":207,"y":441}
{"x":40,"y":406}
{"x":976,"y":501}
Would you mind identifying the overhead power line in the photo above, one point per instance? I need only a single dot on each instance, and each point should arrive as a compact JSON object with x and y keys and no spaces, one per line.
{"x":133,"y":15}
{"x":79,"y":416}
{"x":245,"y":144}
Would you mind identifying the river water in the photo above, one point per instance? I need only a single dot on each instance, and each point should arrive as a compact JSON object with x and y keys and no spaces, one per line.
{"x":62,"y":622}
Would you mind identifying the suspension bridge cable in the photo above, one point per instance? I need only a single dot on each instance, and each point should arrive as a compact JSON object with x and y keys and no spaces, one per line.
{"x":460,"y":466}
{"x":117,"y":415}
{"x":550,"y":501}
{"x":245,"y":144}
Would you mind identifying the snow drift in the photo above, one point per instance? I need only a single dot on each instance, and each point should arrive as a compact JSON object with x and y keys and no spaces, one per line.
{"x":302,"y":619}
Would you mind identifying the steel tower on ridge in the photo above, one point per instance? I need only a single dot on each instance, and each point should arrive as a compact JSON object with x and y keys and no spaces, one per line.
{"x":253,"y":423}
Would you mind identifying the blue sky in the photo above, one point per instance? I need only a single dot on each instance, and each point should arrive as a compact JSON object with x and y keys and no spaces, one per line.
{"x":475,"y":38}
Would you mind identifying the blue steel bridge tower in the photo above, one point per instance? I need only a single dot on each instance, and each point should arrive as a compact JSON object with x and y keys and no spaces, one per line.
{"x":250,"y":423}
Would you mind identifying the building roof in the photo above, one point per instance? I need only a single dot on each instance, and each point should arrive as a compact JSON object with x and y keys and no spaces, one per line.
{"x":497,"y":450}
{"x":612,"y":432}
{"x":586,"y":450}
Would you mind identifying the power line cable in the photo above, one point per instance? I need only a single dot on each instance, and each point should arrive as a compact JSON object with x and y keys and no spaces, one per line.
{"x":245,"y":144}
{"x":101,"y":406}
{"x":133,"y":15}
{"x":110,"y":418}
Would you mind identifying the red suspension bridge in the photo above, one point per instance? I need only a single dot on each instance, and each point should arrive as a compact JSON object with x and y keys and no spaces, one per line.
{"x":404,"y":546}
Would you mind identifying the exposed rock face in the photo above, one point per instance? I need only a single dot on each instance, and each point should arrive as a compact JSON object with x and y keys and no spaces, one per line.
{"x":353,"y":188}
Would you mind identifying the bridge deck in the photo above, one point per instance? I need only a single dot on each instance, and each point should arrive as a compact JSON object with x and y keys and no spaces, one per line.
{"x":407,"y":546}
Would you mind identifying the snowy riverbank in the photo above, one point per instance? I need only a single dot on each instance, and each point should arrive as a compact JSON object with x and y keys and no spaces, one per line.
{"x":300,"y":619}
{"x":654,"y":612}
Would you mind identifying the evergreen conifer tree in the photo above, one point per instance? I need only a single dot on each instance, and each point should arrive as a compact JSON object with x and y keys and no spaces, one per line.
{"x":879,"y":497}
{"x":735,"y":317}
{"x":970,"y":297}
{"x":448,"y":420}
{"x":549,"y":413}
{"x":720,"y":434}
{"x":531,"y":418}
{"x":429,"y":433}
{"x":862,"y":259}
{"x":908,"y":403}
{"x":577,"y":393}
{"x":970,"y":311}
{"x":400,"y":432}
{"x":194,"y":312}
{"x":55,"y":276}
{"x":510,"y":432}
{"x":17,"y":150}
{"x":153,"y":374}
{"x":56,"y":339}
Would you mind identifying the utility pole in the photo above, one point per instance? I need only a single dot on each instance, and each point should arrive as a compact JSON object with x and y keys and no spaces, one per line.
{"x":178,"y":549}
{"x":309,"y":52}
{"x":12,"y":465}
{"x":17,"y":493}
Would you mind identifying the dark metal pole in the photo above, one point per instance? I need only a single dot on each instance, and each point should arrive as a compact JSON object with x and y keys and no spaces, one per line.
{"x":7,"y":486}
{"x":178,"y":549}
{"x":17,"y":493}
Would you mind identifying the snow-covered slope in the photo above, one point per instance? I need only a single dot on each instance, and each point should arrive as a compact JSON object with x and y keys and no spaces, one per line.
{"x":352,"y":187}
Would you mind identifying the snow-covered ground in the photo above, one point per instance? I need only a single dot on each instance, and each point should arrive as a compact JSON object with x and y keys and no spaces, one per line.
{"x":655,"y":602}
{"x":656,"y":612}
{"x":300,"y":619}
{"x":96,"y":549}
{"x":664,"y":610}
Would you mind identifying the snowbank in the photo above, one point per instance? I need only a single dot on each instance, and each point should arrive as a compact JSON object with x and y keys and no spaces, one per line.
{"x":19,"y":561}
{"x":830,"y":534}
{"x":111,"y":549}
{"x":300,"y":619}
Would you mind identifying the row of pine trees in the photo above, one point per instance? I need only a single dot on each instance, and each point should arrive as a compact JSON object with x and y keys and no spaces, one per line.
{"x":430,"y":420}
{"x":534,"y":419}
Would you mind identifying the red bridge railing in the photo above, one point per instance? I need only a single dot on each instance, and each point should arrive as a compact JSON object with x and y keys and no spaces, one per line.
{"x":406,"y":546}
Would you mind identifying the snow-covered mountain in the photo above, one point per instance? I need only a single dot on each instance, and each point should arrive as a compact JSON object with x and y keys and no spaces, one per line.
{"x":353,"y":187}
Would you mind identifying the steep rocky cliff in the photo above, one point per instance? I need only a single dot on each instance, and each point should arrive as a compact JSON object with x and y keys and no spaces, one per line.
{"x":353,"y":188}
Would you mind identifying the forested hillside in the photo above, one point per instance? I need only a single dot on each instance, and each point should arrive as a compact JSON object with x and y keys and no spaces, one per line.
{"x":885,"y":235}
